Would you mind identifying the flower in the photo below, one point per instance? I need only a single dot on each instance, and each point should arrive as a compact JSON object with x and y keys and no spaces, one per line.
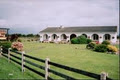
{"x":17,"y":45}
{"x":97,"y":42}
{"x":112,"y":48}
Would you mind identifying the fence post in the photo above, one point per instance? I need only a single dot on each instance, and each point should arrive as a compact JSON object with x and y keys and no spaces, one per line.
{"x":103,"y":75}
{"x":0,"y":51}
{"x":23,"y":63}
{"x":46,"y":68}
{"x":9,"y":54}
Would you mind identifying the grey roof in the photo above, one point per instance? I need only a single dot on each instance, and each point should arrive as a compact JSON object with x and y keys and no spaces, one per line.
{"x":82,"y":29}
{"x":5,"y":28}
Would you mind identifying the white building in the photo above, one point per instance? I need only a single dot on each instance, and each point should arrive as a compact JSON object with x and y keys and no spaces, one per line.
{"x":96,"y":33}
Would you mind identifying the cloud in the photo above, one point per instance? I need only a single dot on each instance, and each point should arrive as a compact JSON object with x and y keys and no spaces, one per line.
{"x":3,"y":22}
{"x":39,"y":14}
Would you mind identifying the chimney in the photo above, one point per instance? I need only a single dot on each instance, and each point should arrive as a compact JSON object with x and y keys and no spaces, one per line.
{"x":61,"y":26}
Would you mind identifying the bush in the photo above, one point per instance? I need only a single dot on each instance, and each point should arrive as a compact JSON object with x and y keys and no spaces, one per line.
{"x":82,"y":39}
{"x":28,"y":40}
{"x":17,"y":46}
{"x":106,"y":42}
{"x":112,"y":49}
{"x":51,"y":42}
{"x":5,"y":46}
{"x":19,"y":40}
{"x":91,"y":45}
{"x":88,"y":41}
{"x":32,"y":40}
{"x":75,"y":41}
{"x":101,"y":48}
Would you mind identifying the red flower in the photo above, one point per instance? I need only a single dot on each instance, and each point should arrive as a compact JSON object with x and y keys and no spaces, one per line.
{"x":18,"y":46}
{"x":97,"y":42}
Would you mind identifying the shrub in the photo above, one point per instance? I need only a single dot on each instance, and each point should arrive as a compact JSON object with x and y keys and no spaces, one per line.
{"x":51,"y":42}
{"x":32,"y":40}
{"x":75,"y":41}
{"x":19,"y":40}
{"x":5,"y":45}
{"x":17,"y":46}
{"x":28,"y":40}
{"x":112,"y":49}
{"x":101,"y":48}
{"x":106,"y":42}
{"x":82,"y":39}
{"x":91,"y":45}
{"x":88,"y":41}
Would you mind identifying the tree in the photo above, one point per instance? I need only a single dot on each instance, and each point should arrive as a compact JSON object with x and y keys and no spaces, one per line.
{"x":37,"y":35}
{"x":13,"y":37}
{"x":30,"y":35}
{"x":24,"y":35}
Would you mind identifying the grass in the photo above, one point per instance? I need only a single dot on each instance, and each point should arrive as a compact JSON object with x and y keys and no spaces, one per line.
{"x":76,"y":56}
{"x":13,"y":71}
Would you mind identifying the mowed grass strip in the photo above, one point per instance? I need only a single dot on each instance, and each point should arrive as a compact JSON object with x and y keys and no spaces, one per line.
{"x":13,"y":71}
{"x":76,"y":56}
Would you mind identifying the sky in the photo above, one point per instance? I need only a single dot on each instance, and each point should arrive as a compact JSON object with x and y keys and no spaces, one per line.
{"x":32,"y":16}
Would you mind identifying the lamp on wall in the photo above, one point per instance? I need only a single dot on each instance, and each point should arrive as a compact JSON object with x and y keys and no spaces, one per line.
{"x":113,"y":37}
{"x":100,"y":37}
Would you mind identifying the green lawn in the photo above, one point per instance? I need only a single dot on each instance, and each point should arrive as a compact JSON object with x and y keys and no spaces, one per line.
{"x":76,"y":56}
{"x":13,"y":71}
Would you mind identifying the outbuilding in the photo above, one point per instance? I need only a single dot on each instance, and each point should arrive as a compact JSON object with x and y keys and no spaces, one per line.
{"x":4,"y":33}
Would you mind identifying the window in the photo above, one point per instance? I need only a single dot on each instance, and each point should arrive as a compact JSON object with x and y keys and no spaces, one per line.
{"x":107,"y":36}
{"x":95,"y":37}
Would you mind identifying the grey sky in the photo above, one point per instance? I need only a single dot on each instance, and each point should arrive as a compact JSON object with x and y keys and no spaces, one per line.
{"x":31,"y":16}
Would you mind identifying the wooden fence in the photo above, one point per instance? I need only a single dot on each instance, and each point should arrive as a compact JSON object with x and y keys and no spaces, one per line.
{"x":7,"y":53}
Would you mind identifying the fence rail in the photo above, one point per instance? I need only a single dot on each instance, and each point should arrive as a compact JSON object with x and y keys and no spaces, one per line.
{"x":102,"y":76}
{"x":93,"y":75}
{"x":34,"y":64}
{"x":37,"y":59}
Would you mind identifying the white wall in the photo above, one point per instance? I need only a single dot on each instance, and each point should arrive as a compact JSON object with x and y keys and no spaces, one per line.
{"x":89,"y":34}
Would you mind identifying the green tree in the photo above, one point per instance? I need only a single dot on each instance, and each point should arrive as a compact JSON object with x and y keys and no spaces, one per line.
{"x":30,"y":35}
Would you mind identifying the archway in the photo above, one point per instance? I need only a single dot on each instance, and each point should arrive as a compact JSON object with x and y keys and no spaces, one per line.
{"x":95,"y":37}
{"x":72,"y":36}
{"x":107,"y":37}
{"x":54,"y":37}
{"x":45,"y":37}
{"x":84,"y":35}
{"x":63,"y":37}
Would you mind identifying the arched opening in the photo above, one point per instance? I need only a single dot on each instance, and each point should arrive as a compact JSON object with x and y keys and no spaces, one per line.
{"x":84,"y":35}
{"x":63,"y":37}
{"x":54,"y":37}
{"x":95,"y":37}
{"x":107,"y":37}
{"x":72,"y":36}
{"x":45,"y":37}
